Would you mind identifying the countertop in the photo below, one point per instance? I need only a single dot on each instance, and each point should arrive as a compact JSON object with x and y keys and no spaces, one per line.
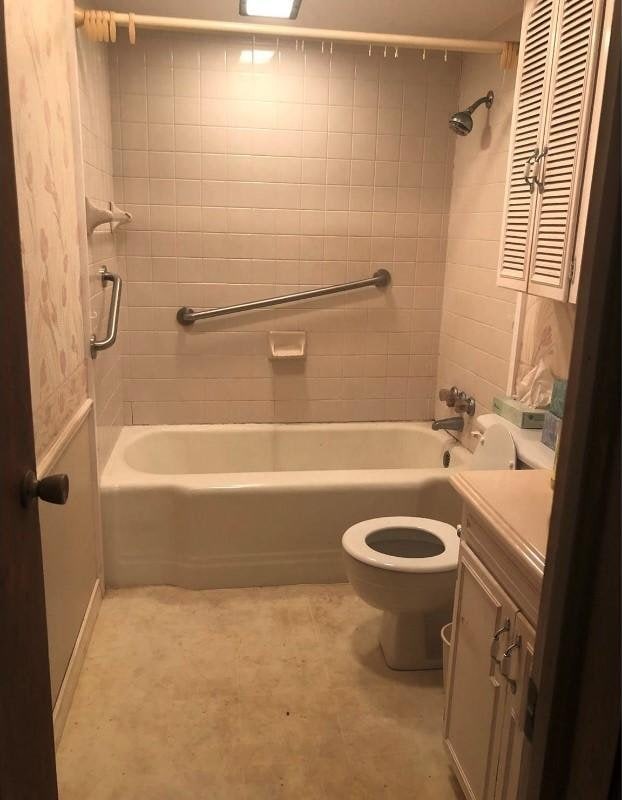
{"x":517,"y":505}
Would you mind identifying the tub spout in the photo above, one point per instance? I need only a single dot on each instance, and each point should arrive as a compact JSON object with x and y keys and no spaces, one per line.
{"x":448,"y":424}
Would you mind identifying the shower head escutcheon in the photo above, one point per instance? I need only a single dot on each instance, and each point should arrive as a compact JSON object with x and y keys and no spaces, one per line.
{"x":462,"y":122}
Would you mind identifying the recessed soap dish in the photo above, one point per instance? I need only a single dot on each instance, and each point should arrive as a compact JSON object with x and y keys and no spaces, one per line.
{"x":287,"y":345}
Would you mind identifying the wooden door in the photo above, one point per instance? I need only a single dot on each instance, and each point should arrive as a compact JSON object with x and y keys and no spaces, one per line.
{"x":27,"y":765}
{"x":482,"y":629}
{"x":560,"y":167}
{"x":514,"y":750}
{"x":537,"y":37}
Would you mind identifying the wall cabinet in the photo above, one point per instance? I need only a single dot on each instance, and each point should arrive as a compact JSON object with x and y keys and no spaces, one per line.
{"x":556,"y":105}
{"x":491,"y":651}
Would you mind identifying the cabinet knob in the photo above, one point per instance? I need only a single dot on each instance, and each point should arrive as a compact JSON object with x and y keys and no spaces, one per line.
{"x":53,"y":489}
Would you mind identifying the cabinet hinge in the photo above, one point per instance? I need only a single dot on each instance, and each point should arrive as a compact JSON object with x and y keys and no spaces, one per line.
{"x":573,"y":269}
{"x":530,"y":709}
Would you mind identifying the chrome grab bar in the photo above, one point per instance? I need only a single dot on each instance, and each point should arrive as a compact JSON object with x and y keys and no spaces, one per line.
{"x":113,"y":318}
{"x":187,"y":316}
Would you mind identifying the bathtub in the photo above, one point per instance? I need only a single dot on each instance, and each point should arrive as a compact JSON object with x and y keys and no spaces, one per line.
{"x":215,"y":506}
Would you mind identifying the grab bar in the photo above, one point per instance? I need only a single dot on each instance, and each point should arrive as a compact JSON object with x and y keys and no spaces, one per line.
{"x":113,"y":318}
{"x":188,"y":316}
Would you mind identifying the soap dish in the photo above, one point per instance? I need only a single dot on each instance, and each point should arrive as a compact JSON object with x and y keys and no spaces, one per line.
{"x":287,"y":344}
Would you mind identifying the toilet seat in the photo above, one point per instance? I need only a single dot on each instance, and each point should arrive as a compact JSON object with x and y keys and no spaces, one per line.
{"x":355,"y":543}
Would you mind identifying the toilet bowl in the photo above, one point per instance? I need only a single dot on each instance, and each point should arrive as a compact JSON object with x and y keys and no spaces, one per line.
{"x":406,"y":567}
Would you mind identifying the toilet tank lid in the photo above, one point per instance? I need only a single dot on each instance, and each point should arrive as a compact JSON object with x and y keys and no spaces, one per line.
{"x":495,"y":450}
{"x":529,"y":449}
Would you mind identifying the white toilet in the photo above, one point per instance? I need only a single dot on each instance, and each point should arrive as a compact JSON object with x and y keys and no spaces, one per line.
{"x":406,"y":567}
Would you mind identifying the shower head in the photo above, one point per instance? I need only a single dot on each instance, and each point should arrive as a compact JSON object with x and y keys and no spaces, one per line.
{"x":462,"y":122}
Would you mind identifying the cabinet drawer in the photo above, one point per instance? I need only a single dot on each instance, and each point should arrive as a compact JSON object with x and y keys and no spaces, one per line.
{"x":509,"y":574}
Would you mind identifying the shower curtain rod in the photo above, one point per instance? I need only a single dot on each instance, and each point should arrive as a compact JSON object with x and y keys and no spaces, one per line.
{"x":507,"y":50}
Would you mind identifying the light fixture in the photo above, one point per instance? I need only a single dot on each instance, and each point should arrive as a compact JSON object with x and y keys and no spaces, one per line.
{"x":283,"y":9}
{"x":256,"y":56}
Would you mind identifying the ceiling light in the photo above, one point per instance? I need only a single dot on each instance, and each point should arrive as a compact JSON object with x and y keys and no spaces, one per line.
{"x":256,"y":56}
{"x":283,"y":9}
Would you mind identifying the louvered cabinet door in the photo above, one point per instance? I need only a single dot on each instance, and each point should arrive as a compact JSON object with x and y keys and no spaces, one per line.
{"x":559,"y":172}
{"x":534,"y":67}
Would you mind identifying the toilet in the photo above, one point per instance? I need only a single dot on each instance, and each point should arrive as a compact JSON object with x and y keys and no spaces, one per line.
{"x":406,"y":567}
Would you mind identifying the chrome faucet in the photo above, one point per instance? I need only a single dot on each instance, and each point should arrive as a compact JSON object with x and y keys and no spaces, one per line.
{"x":448,"y":424}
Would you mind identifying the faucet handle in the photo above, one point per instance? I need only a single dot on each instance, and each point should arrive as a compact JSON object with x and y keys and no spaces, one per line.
{"x":448,"y":396}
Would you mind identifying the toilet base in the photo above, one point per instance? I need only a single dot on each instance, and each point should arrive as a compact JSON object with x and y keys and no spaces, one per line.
{"x":412,"y":640}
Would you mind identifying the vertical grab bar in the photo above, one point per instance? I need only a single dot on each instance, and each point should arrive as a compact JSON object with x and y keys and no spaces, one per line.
{"x":113,"y":317}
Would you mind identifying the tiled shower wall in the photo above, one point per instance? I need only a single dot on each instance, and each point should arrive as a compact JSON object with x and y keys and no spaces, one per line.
{"x":253,"y":172}
{"x":478,"y":316}
{"x":96,"y":123}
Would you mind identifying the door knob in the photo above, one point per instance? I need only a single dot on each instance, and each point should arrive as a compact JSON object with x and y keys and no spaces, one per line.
{"x":53,"y":489}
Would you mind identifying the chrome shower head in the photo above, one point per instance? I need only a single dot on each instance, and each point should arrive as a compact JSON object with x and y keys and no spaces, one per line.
{"x":462,"y":122}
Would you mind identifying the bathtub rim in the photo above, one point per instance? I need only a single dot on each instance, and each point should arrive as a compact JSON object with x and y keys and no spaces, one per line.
{"x":118,"y":474}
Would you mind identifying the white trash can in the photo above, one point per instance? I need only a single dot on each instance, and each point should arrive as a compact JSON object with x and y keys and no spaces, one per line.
{"x":446,"y":638}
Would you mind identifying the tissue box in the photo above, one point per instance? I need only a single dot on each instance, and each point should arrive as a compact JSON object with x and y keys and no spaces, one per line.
{"x":558,"y":398}
{"x":519,"y":414}
{"x":551,"y":430}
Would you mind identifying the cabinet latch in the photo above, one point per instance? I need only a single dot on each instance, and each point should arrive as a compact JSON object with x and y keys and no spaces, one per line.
{"x":530,"y":709}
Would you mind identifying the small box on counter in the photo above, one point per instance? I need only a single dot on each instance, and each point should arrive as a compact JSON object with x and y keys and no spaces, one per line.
{"x":519,"y":414}
{"x":551,"y":430}
{"x":558,"y":398}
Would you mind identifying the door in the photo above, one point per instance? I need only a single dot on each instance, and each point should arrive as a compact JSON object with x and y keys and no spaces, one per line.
{"x":539,"y":21}
{"x":561,"y":164}
{"x":514,"y":753}
{"x":27,"y":765}
{"x":481,"y":633}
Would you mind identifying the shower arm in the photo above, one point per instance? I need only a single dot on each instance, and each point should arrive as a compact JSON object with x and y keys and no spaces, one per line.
{"x":487,"y":99}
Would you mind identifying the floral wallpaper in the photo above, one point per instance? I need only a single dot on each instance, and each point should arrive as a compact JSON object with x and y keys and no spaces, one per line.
{"x":41,"y":72}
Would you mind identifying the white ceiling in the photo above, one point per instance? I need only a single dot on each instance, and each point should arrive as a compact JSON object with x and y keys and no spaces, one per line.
{"x":453,"y":18}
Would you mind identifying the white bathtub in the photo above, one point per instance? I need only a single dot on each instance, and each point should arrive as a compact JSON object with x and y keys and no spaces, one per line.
{"x":213,"y":506}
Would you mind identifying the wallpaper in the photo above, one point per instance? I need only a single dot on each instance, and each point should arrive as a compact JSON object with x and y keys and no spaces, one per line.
{"x":41,"y":71}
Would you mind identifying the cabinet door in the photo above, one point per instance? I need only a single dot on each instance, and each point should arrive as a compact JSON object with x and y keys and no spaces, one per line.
{"x":559,"y":172}
{"x":539,"y":20}
{"x":515,"y":748}
{"x":476,"y":688}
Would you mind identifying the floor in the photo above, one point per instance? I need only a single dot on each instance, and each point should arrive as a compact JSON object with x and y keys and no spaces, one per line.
{"x":246,"y":694}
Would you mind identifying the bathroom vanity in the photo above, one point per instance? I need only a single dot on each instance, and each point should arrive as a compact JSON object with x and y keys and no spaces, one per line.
{"x":502,"y":550}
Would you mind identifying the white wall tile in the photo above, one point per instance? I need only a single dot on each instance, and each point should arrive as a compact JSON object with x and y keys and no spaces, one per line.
{"x":250,"y":180}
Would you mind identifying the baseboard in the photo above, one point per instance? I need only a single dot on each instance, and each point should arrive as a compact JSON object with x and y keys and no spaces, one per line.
{"x":70,"y":681}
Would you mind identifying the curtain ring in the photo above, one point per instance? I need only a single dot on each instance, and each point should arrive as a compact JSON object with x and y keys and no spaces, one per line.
{"x":89,"y":26}
{"x":131,"y":27}
{"x":113,"y":27}
{"x":106,"y":15}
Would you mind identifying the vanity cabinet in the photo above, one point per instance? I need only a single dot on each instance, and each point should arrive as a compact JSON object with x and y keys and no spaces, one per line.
{"x":491,"y":640}
{"x":556,"y":112}
{"x":505,"y":525}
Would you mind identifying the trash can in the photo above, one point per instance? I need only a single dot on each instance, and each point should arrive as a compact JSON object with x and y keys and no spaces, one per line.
{"x":446,"y":638}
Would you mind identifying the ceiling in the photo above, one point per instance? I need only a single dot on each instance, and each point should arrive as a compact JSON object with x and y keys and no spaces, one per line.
{"x":453,"y":18}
